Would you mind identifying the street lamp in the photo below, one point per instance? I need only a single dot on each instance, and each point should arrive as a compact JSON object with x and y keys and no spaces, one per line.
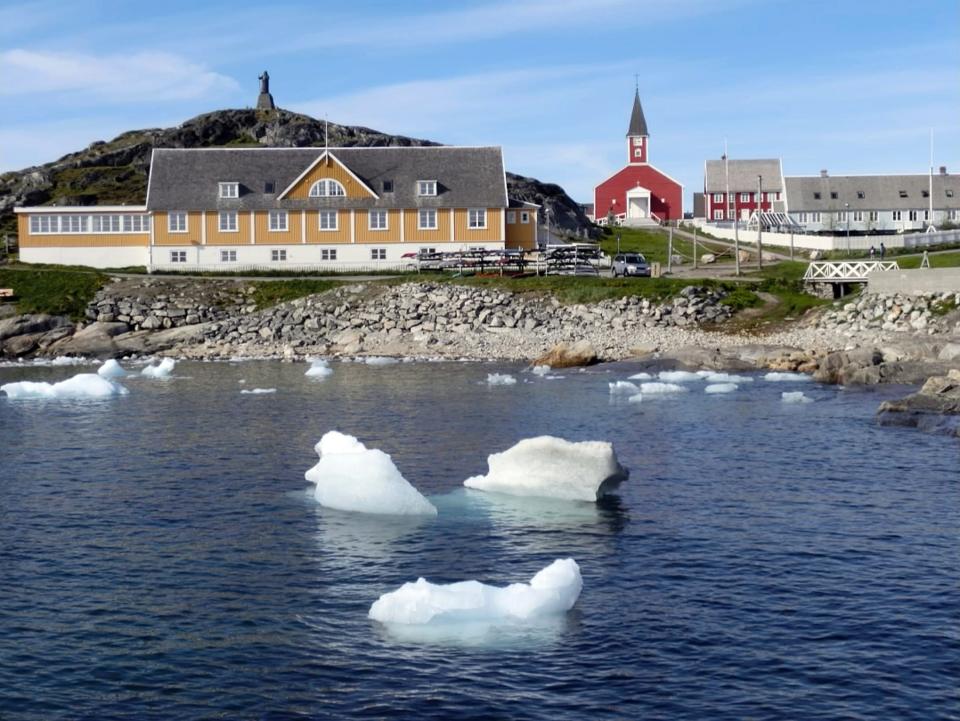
{"x":847,"y":213}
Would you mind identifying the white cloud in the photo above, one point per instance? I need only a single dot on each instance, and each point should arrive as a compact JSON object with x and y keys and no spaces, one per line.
{"x":144,"y":76}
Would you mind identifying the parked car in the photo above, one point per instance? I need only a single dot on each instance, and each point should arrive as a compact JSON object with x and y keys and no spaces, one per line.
{"x":630,"y":264}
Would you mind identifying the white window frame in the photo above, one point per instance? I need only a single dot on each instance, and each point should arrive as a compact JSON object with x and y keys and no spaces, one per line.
{"x":801,"y":217}
{"x":718,"y":197}
{"x":426,"y":188}
{"x":328,"y":254}
{"x":524,"y":216}
{"x":842,"y":216}
{"x":717,"y":214}
{"x":228,"y":256}
{"x":278,"y":255}
{"x":173,"y":222}
{"x":328,"y":214}
{"x":858,"y":216}
{"x":178,"y":256}
{"x":474,"y":216}
{"x":874,"y":215}
{"x":327,"y":188}
{"x":745,"y":197}
{"x":228,"y":215}
{"x":926,"y":214}
{"x":952,"y":214}
{"x":638,"y":152}
{"x":427,"y":250}
{"x":511,"y":217}
{"x":898,"y":215}
{"x":378,"y":254}
{"x":273,"y":221}
{"x":815,"y":217}
{"x":380,"y":215}
{"x":912,"y":215}
{"x":431,"y":217}
{"x":229,"y":190}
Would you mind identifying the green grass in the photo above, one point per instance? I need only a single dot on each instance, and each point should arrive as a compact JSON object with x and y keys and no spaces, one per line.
{"x":938,"y":260}
{"x":740,"y":298}
{"x":58,"y":292}
{"x":653,"y":244}
{"x":268,"y":294}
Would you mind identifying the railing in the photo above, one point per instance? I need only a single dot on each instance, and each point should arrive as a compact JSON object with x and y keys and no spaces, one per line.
{"x":281,"y":268}
{"x":847,"y":271}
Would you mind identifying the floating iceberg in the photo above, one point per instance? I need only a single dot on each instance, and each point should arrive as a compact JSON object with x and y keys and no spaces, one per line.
{"x":163,"y":370}
{"x":319,"y":368}
{"x":795,"y":397}
{"x":553,"y":468}
{"x":66,"y":360}
{"x":720,"y":388}
{"x":259,"y":391}
{"x":376,"y":360}
{"x":661,"y":388}
{"x":782,"y":377}
{"x":111,"y":369}
{"x":500,"y":379}
{"x":352,"y":477}
{"x":678,"y":376}
{"x":619,"y":387}
{"x":641,"y":377}
{"x":83,"y":385}
{"x":635,"y":399}
{"x":711,"y":377}
{"x":552,"y":591}
{"x":540,"y":370}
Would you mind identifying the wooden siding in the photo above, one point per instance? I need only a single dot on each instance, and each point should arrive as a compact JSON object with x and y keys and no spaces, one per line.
{"x":463,"y":234}
{"x":241,"y":237}
{"x":265,"y":236}
{"x":77,"y":240}
{"x":413,"y":234}
{"x":390,"y":235}
{"x":329,"y":168}
{"x":522,"y":235}
{"x":323,"y":237}
{"x":162,"y":236}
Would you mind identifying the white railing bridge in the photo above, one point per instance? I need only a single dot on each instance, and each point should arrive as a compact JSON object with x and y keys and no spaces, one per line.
{"x":845,"y":271}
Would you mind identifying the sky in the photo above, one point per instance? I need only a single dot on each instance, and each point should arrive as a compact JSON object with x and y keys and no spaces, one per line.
{"x":852,"y":86}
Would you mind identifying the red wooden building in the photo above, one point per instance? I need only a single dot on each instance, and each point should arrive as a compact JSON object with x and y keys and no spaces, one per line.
{"x":639,"y":194}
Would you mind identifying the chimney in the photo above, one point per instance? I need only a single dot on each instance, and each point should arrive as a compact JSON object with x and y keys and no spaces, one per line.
{"x":943,"y":170}
{"x":823,"y":173}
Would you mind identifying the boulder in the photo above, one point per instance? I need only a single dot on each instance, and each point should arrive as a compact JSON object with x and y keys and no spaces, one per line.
{"x":564,"y":355}
{"x":32,"y":323}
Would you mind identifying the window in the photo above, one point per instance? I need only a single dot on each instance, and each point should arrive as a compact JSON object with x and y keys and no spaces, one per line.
{"x":428,"y":220}
{"x":328,"y":254}
{"x":177,"y":222}
{"x":842,"y":216}
{"x":833,"y":195}
{"x":228,"y":256}
{"x":925,"y":193}
{"x":718,"y":197}
{"x":229,"y":190}
{"x":511,"y":217}
{"x":638,"y":152}
{"x":952,"y":214}
{"x":105,"y":223}
{"x":744,"y":197}
{"x":801,"y":217}
{"x":898,"y":215}
{"x":278,"y":255}
{"x":178,"y":256}
{"x":427,"y":251}
{"x":326,"y":188}
{"x":378,"y":254}
{"x":278,"y":220}
{"x":328,"y":220}
{"x":949,"y":192}
{"x":477,"y":218}
{"x":136,"y":223}
{"x":926,"y":215}
{"x":815,"y":217}
{"x":426,"y":187}
{"x":718,"y":215}
{"x":903,"y":193}
{"x":524,"y":217}
{"x":874,"y":215}
{"x":816,"y":196}
{"x":269,"y":187}
{"x":377,"y":220}
{"x":778,"y":195}
{"x":912,"y":215}
{"x":858,"y":216}
{"x":387,"y":186}
{"x":861,"y":194}
{"x":228,"y":221}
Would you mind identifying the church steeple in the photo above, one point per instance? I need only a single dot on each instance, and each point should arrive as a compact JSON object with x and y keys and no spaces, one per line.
{"x":637,"y":135}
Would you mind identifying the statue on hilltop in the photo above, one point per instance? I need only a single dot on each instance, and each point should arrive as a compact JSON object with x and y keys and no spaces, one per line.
{"x":265,"y":99}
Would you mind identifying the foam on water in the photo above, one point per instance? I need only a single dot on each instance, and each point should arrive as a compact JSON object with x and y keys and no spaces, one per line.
{"x":352,"y":477}
{"x":619,"y":387}
{"x":83,"y":385}
{"x":553,"y":468}
{"x":661,"y":388}
{"x":319,"y":368}
{"x":258,"y":391}
{"x":795,"y":397}
{"x":500,"y":379}
{"x":785,"y":377}
{"x":552,"y":591}
{"x":162,"y":370}
{"x":678,"y":376}
{"x":111,"y":369}
{"x":720,"y":388}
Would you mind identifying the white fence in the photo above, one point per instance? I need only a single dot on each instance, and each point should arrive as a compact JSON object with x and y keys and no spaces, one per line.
{"x":823,"y":271}
{"x":803,"y":241}
{"x":338,"y":267}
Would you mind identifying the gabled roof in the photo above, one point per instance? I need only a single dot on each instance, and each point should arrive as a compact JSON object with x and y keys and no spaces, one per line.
{"x":324,"y":154}
{"x":743,"y":175}
{"x":186,"y":179}
{"x":638,"y":123}
{"x":880,"y":192}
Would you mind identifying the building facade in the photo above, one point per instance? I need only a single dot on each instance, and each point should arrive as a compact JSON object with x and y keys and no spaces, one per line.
{"x":736,"y":189}
{"x":278,"y":207}
{"x":639,"y":193}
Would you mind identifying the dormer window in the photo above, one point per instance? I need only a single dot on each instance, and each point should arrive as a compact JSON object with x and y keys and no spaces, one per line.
{"x":925,"y":193}
{"x":229,"y":190}
{"x":816,"y":196}
{"x":387,"y":186}
{"x":949,"y":192}
{"x":833,"y":195}
{"x":861,"y":194}
{"x":269,"y":187}
{"x":426,"y":187}
{"x":903,"y":193}
{"x":326,"y":188}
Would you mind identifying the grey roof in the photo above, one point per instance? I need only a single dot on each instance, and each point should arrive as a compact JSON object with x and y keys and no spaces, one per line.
{"x":638,"y":123}
{"x":880,"y":192}
{"x":743,"y":175}
{"x":186,"y":179}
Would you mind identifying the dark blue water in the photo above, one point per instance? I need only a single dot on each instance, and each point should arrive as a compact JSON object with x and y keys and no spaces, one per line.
{"x":160,"y":558}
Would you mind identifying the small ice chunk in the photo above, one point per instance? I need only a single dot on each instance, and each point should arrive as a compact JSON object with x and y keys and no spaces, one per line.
{"x":83,"y":385}
{"x":619,"y":387}
{"x":553,"y":468}
{"x":795,"y":397}
{"x":352,"y":477}
{"x":377,"y":360}
{"x":635,"y":399}
{"x":540,"y":370}
{"x":65,"y":360}
{"x":712,"y":377}
{"x":163,"y":370}
{"x":720,"y":388}
{"x":783,"y":377}
{"x":678,"y":376}
{"x":552,"y":591}
{"x":661,"y":388}
{"x":111,"y":369}
{"x":319,"y":368}
{"x":641,"y":377}
{"x":258,"y":391}
{"x":500,"y":379}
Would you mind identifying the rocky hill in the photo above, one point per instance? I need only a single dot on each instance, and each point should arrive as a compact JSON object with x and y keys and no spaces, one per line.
{"x":115,"y":172}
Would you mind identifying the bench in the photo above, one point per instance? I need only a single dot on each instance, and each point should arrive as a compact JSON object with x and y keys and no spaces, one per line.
{"x":6,"y":292}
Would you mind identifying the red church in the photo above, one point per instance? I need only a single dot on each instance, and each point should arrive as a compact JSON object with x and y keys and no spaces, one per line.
{"x":639,"y":194}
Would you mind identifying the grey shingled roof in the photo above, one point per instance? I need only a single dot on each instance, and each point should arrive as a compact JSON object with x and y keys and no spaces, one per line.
{"x":186,"y":179}
{"x":880,"y":192}
{"x":743,"y":175}
{"x":638,"y":123}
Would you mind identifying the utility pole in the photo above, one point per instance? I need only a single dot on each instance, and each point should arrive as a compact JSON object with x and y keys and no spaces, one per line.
{"x":930,"y":226}
{"x":846,"y":212}
{"x":670,"y":249}
{"x":729,"y":204}
{"x":759,"y":224}
{"x":694,"y":248}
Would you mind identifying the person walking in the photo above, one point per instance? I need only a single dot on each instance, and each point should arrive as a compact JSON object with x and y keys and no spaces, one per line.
{"x":883,"y":251}
{"x":873,"y":252}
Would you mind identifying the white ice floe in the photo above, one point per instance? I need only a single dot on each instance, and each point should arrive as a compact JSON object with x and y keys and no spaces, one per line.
{"x":553,"y":468}
{"x":661,"y":388}
{"x":795,"y":397}
{"x":620,"y":387}
{"x":65,"y":360}
{"x":258,"y":391}
{"x":720,"y":388}
{"x":714,"y":377}
{"x":83,"y":385}
{"x":540,"y":370}
{"x":163,"y":370}
{"x":641,"y":377}
{"x":552,"y":591}
{"x":783,"y":377}
{"x":635,"y":399}
{"x":377,"y":360}
{"x":678,"y":376}
{"x":352,"y":477}
{"x":500,"y":379}
{"x":319,"y":368}
{"x":111,"y":369}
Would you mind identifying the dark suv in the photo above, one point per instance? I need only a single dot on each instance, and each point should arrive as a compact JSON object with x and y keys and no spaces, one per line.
{"x":630,"y":264}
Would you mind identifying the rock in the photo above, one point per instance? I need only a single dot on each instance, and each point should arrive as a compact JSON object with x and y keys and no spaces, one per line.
{"x":950,"y":352}
{"x":20,"y":345}
{"x":564,"y":355}
{"x":935,"y":408}
{"x":28,"y":324}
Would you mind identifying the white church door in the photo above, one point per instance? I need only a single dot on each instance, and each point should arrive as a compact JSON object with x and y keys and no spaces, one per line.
{"x":638,"y":203}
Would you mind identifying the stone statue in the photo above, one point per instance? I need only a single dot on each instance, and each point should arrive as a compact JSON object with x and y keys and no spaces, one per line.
{"x":265,"y":100}
{"x":264,"y":83}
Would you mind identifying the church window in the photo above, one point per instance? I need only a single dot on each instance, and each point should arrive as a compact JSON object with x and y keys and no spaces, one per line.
{"x":328,"y":220}
{"x":477,"y":218}
{"x":229,"y":190}
{"x":377,"y":220}
{"x":426,"y":187}
{"x":326,"y":188}
{"x":278,"y":220}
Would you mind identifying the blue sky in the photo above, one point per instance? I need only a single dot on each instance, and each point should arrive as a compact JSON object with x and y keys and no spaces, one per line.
{"x":852,"y":86}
